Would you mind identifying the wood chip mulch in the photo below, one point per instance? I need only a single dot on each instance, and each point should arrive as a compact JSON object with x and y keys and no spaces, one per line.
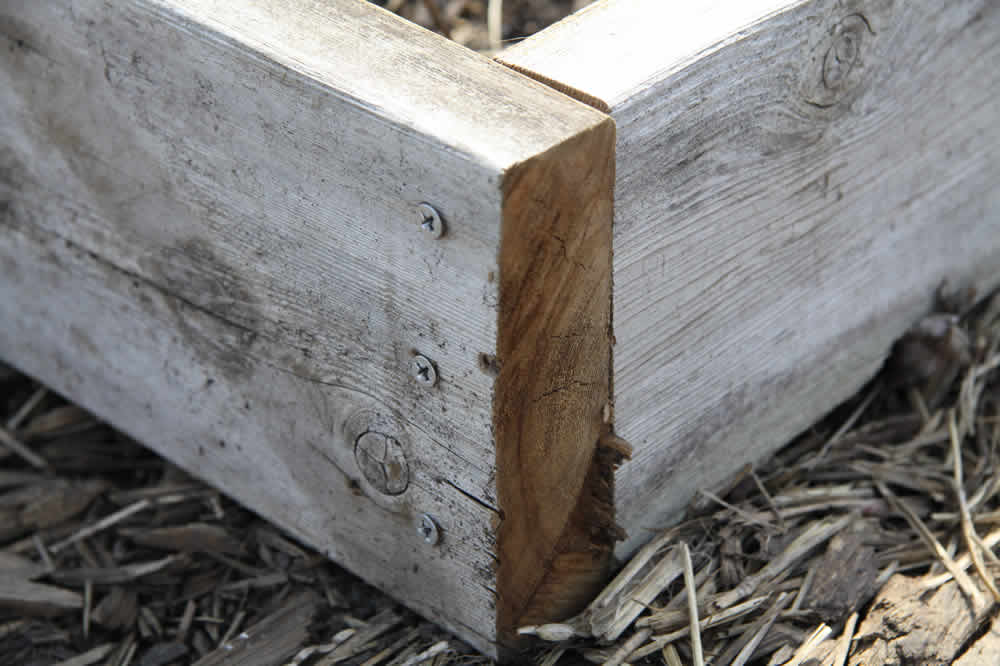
{"x":111,"y":555}
{"x":872,"y":539}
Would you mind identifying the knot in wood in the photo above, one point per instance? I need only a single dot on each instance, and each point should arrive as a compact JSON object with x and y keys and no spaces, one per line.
{"x":382,"y":462}
{"x":844,"y":51}
{"x":838,"y":62}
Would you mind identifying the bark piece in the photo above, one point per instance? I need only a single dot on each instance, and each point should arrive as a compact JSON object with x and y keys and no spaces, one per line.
{"x":845,"y":577}
{"x":907,"y":625}
{"x":986,"y":650}
{"x":162,"y":654}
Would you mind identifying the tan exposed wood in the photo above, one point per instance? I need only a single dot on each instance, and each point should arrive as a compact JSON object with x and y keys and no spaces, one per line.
{"x":794,"y":180}
{"x":209,"y":236}
{"x":555,"y":481}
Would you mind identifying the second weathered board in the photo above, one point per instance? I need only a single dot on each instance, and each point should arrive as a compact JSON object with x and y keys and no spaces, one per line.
{"x":794,"y":181}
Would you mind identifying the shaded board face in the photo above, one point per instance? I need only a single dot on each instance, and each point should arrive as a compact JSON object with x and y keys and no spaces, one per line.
{"x":794,"y":181}
{"x":212,"y":236}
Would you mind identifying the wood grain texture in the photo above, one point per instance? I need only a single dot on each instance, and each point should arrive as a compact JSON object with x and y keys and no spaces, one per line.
{"x":555,"y":481}
{"x":794,"y":180}
{"x":208,"y":236}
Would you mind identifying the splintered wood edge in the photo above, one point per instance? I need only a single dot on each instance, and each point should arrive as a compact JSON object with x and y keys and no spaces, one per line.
{"x":555,"y":482}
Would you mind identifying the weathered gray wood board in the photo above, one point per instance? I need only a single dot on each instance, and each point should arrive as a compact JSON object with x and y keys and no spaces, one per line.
{"x":794,"y":180}
{"x":209,"y":236}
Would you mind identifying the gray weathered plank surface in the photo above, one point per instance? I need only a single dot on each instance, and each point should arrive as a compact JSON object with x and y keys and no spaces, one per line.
{"x":208,"y":236}
{"x":794,"y":180}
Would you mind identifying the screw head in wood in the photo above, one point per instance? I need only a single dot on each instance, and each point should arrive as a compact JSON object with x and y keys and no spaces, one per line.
{"x":423,"y":371}
{"x":430,"y":219}
{"x":428,"y":529}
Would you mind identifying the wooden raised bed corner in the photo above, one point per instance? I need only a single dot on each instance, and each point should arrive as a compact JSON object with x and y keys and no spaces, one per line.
{"x":212,"y":236}
{"x":367,"y":282}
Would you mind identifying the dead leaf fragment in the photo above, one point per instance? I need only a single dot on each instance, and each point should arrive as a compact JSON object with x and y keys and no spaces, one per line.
{"x":57,"y":421}
{"x":190,"y":538}
{"x":845,"y":577}
{"x":118,"y":609}
{"x":25,"y":598}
